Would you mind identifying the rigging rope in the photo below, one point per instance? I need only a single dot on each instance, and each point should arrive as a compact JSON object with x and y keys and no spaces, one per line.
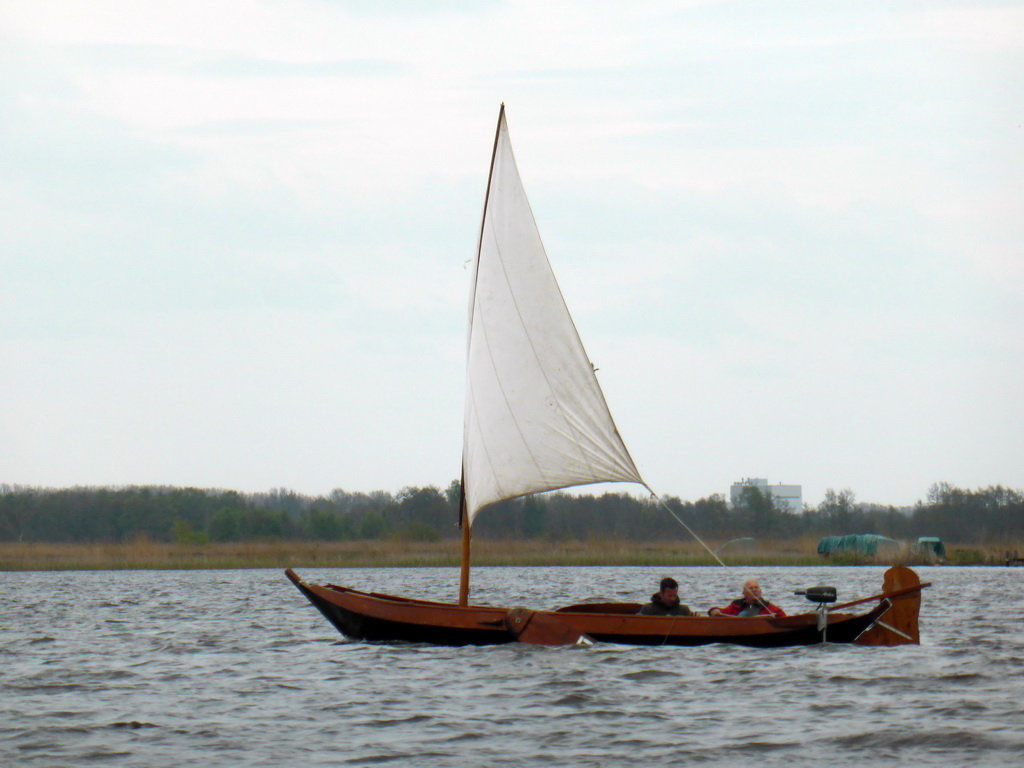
{"x":688,"y":528}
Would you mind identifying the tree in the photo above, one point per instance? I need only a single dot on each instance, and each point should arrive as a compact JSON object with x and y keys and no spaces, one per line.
{"x":225,"y":525}
{"x":372,"y":525}
{"x":759,"y":511}
{"x":424,"y":507}
{"x":184,"y":534}
{"x":837,"y":511}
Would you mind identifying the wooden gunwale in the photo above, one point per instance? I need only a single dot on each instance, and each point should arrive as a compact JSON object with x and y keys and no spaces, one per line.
{"x":882,"y":596}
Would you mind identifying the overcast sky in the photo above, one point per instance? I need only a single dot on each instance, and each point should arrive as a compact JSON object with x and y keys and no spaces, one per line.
{"x":234,"y":236}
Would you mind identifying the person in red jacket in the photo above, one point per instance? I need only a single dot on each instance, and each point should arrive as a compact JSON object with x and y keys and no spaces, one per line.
{"x":751,"y":604}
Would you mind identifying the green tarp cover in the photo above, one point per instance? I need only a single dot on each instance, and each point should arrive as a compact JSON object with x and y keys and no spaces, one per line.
{"x":932,"y":543}
{"x":861,"y":543}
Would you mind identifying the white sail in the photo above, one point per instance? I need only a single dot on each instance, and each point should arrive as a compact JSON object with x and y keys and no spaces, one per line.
{"x":536,"y":418}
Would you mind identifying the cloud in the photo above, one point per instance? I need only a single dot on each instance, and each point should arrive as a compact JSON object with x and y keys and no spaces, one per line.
{"x":233,"y":235}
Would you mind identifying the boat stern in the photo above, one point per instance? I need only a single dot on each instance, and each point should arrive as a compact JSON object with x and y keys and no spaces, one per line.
{"x":898,"y":624}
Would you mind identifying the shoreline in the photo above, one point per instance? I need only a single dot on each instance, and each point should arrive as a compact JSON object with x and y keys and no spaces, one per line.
{"x":146,"y":555}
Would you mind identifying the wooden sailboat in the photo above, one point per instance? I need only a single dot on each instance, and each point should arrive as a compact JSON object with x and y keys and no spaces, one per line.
{"x":536,"y":420}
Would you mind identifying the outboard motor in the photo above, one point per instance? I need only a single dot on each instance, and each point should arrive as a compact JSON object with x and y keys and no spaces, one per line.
{"x":822,"y":596}
{"x":819,"y":594}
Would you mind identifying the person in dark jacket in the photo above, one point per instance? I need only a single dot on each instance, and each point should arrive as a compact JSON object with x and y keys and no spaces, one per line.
{"x":666,"y":601}
{"x":751,"y":604}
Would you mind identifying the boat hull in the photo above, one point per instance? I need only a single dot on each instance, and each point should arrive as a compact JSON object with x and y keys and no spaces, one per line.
{"x":757,"y":632}
{"x":388,"y":618}
{"x":372,"y":616}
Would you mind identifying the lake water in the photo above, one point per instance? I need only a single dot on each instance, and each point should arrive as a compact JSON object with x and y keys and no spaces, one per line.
{"x":231,"y":668}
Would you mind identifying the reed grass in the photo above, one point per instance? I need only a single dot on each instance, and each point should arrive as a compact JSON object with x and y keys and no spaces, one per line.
{"x":148,"y":555}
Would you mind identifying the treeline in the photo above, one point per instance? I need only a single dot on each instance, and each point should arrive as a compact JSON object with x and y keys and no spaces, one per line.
{"x":191,"y":515}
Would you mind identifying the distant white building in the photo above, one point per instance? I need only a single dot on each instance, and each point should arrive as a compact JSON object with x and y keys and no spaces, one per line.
{"x":792,"y":495}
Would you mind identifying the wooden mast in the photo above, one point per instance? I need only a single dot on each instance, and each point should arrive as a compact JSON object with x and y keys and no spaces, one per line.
{"x":464,"y":519}
{"x":466,"y":537}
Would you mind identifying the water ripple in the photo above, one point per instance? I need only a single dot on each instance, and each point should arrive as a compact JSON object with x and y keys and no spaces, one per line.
{"x":221,"y":668}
